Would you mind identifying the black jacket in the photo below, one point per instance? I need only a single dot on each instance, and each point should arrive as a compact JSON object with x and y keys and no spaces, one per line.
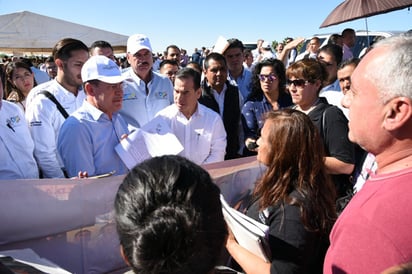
{"x":231,"y":115}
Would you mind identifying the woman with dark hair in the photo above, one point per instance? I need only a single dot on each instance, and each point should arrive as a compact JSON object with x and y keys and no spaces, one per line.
{"x":169,"y":218}
{"x":305,"y":80}
{"x":268,"y":93}
{"x":294,"y":197}
{"x":19,"y":81}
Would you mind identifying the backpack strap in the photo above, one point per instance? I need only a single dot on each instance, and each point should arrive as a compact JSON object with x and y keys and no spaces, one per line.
{"x":54,"y":100}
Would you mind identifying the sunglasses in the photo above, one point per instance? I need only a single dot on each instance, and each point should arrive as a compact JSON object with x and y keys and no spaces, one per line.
{"x":298,"y":82}
{"x":270,"y":77}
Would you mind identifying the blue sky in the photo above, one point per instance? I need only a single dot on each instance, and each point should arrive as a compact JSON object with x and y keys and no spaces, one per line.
{"x":191,"y":24}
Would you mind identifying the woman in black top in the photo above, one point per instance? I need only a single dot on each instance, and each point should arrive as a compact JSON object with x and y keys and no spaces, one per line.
{"x":304,"y":82}
{"x":295,"y":197}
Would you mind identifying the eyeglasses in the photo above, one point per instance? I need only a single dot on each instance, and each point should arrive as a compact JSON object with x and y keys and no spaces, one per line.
{"x":298,"y":82}
{"x":270,"y":77}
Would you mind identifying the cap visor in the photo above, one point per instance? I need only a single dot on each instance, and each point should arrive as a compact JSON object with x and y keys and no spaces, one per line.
{"x":112,"y":79}
{"x":139,"y":49}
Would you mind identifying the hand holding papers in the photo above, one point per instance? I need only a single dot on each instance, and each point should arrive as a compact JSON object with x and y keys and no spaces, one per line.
{"x":249,"y":233}
{"x":154,"y":139}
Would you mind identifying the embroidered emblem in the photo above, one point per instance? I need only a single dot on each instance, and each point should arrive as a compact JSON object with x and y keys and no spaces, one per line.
{"x":161,"y":95}
{"x":129,"y":96}
{"x":14,"y":120}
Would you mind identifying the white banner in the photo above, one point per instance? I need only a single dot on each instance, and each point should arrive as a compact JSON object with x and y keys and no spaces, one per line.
{"x":70,"y":221}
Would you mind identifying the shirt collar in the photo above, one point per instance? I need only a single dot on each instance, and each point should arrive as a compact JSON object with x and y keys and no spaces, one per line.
{"x":241,"y":76}
{"x":333,"y":87}
{"x":213,"y":90}
{"x":198,"y":112}
{"x":95,"y":112}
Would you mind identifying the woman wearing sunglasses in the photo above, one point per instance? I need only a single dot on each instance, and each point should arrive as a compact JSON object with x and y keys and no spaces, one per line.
{"x":304,"y":82}
{"x":268,"y":93}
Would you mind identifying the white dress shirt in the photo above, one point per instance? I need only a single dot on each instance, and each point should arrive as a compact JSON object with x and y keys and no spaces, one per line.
{"x":45,"y":121}
{"x":203,"y":135}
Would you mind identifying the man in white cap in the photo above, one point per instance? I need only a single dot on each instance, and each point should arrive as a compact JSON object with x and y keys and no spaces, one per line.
{"x":148,"y":92}
{"x":267,"y":52}
{"x":87,"y":138}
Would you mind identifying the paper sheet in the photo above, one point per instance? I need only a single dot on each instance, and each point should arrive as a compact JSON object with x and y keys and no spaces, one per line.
{"x":29,"y":257}
{"x":153,"y":139}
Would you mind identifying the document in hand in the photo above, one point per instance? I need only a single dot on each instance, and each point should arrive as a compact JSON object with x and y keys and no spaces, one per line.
{"x":249,"y":233}
{"x":154,"y":139}
{"x":27,"y":261}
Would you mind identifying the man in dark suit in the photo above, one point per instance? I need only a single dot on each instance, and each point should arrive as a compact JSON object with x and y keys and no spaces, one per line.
{"x":219,"y":95}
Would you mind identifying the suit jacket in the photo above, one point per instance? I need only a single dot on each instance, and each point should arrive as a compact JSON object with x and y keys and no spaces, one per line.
{"x":231,"y":115}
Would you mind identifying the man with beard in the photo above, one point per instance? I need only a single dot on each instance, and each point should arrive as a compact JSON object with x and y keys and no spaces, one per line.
{"x":147,"y":92}
{"x":44,"y":116}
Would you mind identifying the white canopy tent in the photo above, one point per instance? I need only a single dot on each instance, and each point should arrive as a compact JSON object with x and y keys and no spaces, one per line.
{"x":34,"y":34}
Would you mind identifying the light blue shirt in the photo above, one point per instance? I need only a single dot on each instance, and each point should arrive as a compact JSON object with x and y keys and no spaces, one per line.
{"x":87,"y":140}
{"x":139,"y":108}
{"x":243,"y":82}
{"x":332,"y":87}
{"x":347,"y":53}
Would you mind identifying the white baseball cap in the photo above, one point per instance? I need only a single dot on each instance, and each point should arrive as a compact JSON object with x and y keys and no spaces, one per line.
{"x":266,"y":45}
{"x":137,"y":42}
{"x":101,"y":68}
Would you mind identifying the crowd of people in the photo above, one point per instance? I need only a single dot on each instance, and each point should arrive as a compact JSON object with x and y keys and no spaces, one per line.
{"x":325,"y":124}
